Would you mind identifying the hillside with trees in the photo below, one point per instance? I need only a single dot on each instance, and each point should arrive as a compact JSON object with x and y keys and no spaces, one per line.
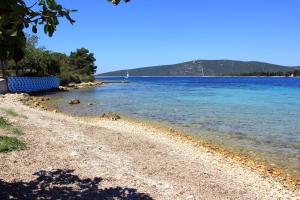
{"x":287,"y":74}
{"x":206,"y":68}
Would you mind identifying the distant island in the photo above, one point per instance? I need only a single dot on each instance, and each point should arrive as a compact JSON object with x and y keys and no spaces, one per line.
{"x":212,"y":68}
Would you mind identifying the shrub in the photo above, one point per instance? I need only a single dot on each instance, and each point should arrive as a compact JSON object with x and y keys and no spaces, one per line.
{"x":8,"y":144}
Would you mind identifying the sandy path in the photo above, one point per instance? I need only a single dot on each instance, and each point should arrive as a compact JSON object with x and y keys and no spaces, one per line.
{"x":131,"y":161}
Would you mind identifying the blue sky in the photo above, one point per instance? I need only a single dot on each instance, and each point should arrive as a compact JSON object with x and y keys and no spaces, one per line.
{"x":154,"y":32}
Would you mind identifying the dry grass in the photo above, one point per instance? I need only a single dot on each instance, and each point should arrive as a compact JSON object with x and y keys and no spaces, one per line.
{"x":6,"y":125}
{"x":13,"y":113}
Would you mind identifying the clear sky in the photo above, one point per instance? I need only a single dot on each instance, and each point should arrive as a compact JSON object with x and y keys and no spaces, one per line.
{"x":154,"y":32}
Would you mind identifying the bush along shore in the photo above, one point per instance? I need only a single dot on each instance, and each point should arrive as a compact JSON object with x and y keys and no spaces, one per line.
{"x":177,"y":166}
{"x":77,"y":67}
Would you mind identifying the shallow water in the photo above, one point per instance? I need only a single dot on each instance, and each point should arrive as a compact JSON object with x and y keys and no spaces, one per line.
{"x":258,"y":116}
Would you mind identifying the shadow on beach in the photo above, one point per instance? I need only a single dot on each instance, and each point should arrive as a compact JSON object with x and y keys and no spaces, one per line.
{"x":63,"y":184}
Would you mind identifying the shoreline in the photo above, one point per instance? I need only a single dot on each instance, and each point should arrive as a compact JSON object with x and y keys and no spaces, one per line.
{"x":262,"y":167}
{"x":99,"y":76}
{"x":183,"y":166}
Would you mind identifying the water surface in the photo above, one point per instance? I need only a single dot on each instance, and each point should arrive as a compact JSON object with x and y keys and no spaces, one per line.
{"x":258,"y":116}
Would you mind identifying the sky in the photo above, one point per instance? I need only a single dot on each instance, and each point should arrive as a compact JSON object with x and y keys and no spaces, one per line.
{"x":156,"y":32}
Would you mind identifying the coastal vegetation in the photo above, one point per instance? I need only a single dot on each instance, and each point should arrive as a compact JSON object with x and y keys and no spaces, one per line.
{"x":287,"y":74}
{"x":13,"y":42}
{"x":206,"y":68}
{"x":77,"y":67}
{"x":12,"y":36}
{"x":8,"y":144}
{"x":6,"y":125}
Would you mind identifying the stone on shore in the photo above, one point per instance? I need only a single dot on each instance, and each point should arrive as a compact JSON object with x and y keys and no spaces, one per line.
{"x":74,"y":102}
{"x":111,"y":116}
{"x":63,"y":89}
{"x":84,"y":85}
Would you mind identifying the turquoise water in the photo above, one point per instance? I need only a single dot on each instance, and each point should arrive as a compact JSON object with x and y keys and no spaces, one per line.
{"x":258,"y":116}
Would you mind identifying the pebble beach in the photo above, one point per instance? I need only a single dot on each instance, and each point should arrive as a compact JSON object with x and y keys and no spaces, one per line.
{"x":131,"y":159}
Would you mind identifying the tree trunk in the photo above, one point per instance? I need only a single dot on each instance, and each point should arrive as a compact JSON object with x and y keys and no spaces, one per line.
{"x":17,"y":69}
{"x":2,"y":69}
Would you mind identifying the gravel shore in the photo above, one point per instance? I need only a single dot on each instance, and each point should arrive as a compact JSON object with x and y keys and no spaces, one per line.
{"x":76,"y":158}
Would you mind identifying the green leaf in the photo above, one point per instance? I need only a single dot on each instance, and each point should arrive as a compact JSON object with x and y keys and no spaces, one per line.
{"x":26,"y":24}
{"x":14,"y":34}
{"x":46,"y":28}
{"x":34,"y":29}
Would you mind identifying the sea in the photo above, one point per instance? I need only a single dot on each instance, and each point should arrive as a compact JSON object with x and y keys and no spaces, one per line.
{"x":259,"y":117}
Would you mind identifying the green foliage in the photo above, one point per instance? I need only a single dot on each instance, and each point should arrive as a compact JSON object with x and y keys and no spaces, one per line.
{"x":287,"y":74}
{"x":17,"y":15}
{"x":295,"y":73}
{"x":78,"y":67}
{"x":8,"y":144}
{"x":116,"y":2}
{"x":6,"y":125}
{"x":67,"y":77}
{"x":83,"y":61}
{"x":37,"y":61}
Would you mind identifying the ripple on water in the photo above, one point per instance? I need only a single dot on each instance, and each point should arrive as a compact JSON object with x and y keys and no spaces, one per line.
{"x":256,"y":116}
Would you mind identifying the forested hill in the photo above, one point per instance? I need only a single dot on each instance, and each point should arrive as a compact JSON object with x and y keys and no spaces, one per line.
{"x":206,"y":67}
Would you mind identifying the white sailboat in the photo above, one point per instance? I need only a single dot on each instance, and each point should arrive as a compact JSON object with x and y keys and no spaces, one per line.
{"x":125,"y":78}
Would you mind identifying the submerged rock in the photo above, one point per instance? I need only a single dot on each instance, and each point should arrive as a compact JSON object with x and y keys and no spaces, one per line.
{"x":111,"y":116}
{"x":63,"y":89}
{"x":74,"y":101}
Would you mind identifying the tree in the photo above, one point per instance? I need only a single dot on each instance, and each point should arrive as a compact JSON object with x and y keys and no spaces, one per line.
{"x":37,"y":61}
{"x":78,"y":67}
{"x":84,"y":61}
{"x":15,"y":15}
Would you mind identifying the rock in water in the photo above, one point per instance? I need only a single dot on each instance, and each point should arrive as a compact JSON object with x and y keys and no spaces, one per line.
{"x":74,"y":101}
{"x":111,"y":116}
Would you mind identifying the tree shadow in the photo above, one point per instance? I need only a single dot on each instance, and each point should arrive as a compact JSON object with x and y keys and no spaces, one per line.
{"x":63,"y":184}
